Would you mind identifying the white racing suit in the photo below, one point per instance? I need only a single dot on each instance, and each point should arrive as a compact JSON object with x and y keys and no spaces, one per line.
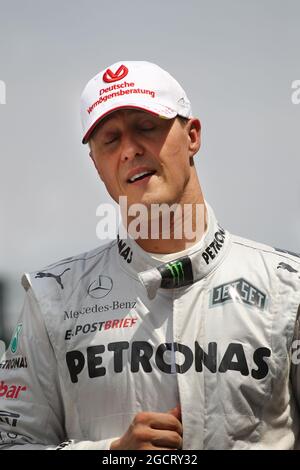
{"x":114,"y":331}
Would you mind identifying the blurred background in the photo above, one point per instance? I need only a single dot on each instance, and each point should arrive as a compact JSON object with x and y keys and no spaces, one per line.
{"x":236,"y":59}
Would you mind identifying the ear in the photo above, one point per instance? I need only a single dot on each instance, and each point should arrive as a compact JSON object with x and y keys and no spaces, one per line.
{"x":95,"y":164}
{"x":194,"y":132}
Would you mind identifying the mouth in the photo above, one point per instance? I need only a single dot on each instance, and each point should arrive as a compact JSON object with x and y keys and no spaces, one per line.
{"x":143,"y":175}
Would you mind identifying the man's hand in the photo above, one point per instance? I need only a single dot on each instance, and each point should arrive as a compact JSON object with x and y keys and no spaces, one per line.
{"x":152,"y":431}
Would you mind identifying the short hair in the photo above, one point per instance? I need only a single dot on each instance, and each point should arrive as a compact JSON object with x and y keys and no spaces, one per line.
{"x":182,"y":119}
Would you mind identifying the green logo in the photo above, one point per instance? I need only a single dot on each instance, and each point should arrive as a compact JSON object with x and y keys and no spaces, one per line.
{"x":176,"y":270}
{"x":15,"y":339}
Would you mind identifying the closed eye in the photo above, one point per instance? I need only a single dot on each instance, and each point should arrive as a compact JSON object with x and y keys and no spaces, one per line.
{"x":146,"y":129}
{"x":111,"y":140}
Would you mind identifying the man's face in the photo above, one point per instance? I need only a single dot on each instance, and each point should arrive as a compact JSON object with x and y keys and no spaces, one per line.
{"x":144,"y":157}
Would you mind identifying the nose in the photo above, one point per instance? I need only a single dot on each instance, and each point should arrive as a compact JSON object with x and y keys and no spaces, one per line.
{"x":131,"y":148}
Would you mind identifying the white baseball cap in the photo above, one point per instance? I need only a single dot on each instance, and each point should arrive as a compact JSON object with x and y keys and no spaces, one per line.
{"x":132,"y":84}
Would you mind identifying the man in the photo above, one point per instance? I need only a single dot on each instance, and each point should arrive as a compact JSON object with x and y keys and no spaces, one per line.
{"x":154,"y":342}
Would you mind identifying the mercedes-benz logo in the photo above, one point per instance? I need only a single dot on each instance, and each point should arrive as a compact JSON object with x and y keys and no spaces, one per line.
{"x":100,"y":287}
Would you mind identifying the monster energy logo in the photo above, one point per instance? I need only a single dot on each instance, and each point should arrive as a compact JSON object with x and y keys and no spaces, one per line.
{"x":176,"y":270}
{"x":15,"y":339}
{"x":177,"y":273}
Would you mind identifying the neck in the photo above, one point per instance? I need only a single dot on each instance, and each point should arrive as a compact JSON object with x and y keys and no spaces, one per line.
{"x":177,"y":226}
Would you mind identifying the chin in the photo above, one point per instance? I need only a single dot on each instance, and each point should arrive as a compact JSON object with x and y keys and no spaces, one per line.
{"x":151,"y":197}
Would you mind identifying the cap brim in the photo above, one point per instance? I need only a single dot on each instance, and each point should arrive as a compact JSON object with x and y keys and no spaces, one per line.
{"x":161,"y":111}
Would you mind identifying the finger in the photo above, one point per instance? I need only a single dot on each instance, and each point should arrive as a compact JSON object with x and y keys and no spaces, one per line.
{"x":166,"y":421}
{"x":176,"y":412}
{"x":167,"y":439}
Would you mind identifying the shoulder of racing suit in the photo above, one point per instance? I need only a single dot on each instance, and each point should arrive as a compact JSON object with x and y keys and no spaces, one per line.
{"x":62,"y":277}
{"x":280,"y":265}
{"x":74,"y":265}
{"x":281,"y":254}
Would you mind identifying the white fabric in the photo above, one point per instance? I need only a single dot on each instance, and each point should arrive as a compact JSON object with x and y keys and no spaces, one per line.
{"x":86,"y":377}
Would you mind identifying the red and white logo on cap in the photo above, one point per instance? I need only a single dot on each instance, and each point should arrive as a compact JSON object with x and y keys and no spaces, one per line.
{"x":110,"y":76}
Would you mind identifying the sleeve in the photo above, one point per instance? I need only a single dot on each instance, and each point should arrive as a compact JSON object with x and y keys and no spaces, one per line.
{"x":31,"y":404}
